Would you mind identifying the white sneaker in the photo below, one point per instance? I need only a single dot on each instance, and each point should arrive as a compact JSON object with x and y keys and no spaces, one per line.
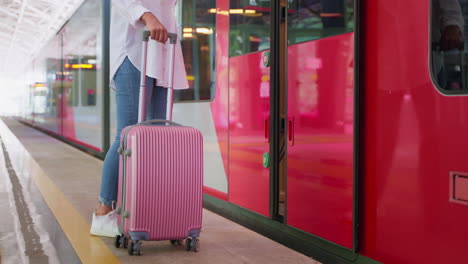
{"x":104,"y":225}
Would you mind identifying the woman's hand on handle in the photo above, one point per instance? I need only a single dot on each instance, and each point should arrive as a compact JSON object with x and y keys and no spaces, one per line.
{"x":158,"y":30}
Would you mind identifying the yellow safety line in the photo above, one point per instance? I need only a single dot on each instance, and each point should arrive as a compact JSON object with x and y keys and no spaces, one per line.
{"x":90,"y":249}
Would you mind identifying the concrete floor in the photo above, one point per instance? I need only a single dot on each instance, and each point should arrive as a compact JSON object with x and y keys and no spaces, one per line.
{"x":60,"y":185}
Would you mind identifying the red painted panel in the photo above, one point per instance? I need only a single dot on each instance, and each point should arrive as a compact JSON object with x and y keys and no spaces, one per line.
{"x":85,"y":144}
{"x":71,"y":139}
{"x":249,"y":107}
{"x":320,"y":163}
{"x":414,"y":137}
{"x":215,"y":193}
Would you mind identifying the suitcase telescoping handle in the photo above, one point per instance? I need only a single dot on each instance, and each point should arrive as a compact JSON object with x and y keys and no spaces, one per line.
{"x":144,"y":59}
{"x":172,"y":123}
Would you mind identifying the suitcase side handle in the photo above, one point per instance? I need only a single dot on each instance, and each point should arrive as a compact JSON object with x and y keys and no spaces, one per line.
{"x":154,"y":121}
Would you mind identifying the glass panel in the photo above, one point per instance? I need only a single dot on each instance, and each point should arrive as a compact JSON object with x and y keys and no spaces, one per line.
{"x":314,"y":19}
{"x":249,"y":113}
{"x":448,"y":45}
{"x":198,"y":22}
{"x":82,"y":83}
{"x":321,"y":120}
{"x":249,"y":26}
{"x":249,"y":105}
{"x":46,"y":87}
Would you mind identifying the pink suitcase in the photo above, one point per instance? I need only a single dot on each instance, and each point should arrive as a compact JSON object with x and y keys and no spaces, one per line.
{"x":160,"y":177}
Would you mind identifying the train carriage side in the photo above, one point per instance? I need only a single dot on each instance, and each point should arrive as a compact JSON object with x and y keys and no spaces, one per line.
{"x":415,"y":129}
{"x":409,"y":183}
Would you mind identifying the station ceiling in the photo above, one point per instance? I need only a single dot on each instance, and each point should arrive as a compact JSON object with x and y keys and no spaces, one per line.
{"x":26,"y":26}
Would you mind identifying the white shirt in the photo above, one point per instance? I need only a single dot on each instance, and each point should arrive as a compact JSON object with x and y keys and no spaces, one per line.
{"x":126,"y":40}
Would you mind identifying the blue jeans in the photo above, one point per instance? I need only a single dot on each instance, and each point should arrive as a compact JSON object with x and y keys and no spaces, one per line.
{"x":127,"y":82}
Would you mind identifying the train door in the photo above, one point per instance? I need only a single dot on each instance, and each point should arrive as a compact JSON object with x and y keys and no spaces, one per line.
{"x":319,"y":119}
{"x":249,"y":105}
{"x":291,"y":111}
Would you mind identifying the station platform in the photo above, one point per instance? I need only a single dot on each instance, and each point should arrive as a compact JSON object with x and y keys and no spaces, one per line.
{"x":48,"y":191}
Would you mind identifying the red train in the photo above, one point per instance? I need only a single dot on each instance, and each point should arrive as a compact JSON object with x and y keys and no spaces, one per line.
{"x":336,"y":127}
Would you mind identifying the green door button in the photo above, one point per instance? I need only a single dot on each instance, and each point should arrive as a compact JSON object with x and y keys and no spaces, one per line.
{"x":266,"y":160}
{"x":266,"y":59}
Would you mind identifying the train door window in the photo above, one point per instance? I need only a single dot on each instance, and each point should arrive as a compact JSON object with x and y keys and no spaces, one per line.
{"x":80,"y":80}
{"x":82,"y":55}
{"x":307,"y":20}
{"x":198,"y":21}
{"x":249,"y":26}
{"x":46,"y":72}
{"x":448,"y":45}
{"x":314,"y":19}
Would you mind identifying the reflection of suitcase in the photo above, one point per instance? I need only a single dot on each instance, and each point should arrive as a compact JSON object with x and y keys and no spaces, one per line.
{"x":160,"y":177}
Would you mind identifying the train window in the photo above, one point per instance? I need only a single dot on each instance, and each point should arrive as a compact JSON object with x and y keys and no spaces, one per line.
{"x":249,"y":26}
{"x":46,"y":73}
{"x":448,"y":45}
{"x":198,"y":21}
{"x":307,"y":20}
{"x":80,"y":80}
{"x":81,"y":50}
{"x":315,"y":19}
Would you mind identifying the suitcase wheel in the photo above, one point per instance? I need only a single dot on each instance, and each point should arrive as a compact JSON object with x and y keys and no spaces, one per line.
{"x":120,"y":240}
{"x":117,"y":241}
{"x":134,"y":248}
{"x":192,"y":244}
{"x":176,"y":242}
{"x":196,"y":245}
{"x":125,"y":242}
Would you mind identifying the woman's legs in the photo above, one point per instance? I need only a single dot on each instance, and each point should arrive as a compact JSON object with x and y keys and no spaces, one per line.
{"x":127,"y":84}
{"x":127,"y":81}
{"x":158,"y":104}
